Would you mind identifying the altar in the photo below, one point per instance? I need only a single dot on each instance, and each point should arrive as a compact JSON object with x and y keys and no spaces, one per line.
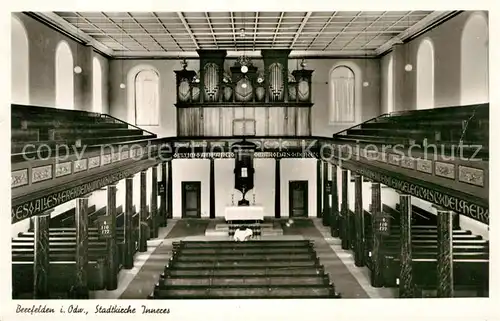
{"x":244,"y":213}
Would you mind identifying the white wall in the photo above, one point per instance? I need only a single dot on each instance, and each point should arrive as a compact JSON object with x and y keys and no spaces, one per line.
{"x":474,"y":63}
{"x":224,"y":185}
{"x":19,"y":63}
{"x":190,"y":170}
{"x":295,"y":170}
{"x":264,"y":184}
{"x":199,"y":170}
{"x":460,"y":47}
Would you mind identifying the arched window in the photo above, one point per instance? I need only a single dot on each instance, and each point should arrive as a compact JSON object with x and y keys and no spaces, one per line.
{"x":474,"y":65}
{"x":19,"y":63}
{"x":390,"y":85}
{"x":342,"y":85}
{"x":96,"y":85}
{"x":425,"y":75}
{"x":64,"y":76}
{"x":147,"y":98}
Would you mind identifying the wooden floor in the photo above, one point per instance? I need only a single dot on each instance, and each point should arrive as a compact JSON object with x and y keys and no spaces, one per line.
{"x":349,"y":280}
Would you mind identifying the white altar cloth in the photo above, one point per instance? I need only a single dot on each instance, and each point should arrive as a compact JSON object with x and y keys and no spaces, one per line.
{"x":244,"y":213}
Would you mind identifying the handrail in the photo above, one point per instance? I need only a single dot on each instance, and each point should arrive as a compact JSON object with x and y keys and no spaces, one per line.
{"x":439,"y":110}
{"x":124,"y":122}
{"x":366,"y":121}
{"x":35,"y":108}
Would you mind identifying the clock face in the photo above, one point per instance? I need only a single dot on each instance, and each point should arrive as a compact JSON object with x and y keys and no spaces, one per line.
{"x":244,"y":69}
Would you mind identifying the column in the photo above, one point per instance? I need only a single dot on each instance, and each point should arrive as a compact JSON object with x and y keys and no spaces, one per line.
{"x":162,"y":217}
{"x":170,"y":190}
{"x":346,"y":241}
{"x":319,"y":189}
{"x":111,"y":248}
{"x":326,"y":196}
{"x":41,"y":264}
{"x":444,"y":253}
{"x":277,"y":188}
{"x":128,"y":261}
{"x":406,"y":289}
{"x":334,"y":208}
{"x":377,"y":253}
{"x":155,"y":220}
{"x":359,"y":221}
{"x":212,"y":188}
{"x":81,"y":290}
{"x":143,"y":229}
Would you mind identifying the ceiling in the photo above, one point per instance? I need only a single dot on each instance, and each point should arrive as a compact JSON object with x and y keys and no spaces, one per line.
{"x":180,"y":34}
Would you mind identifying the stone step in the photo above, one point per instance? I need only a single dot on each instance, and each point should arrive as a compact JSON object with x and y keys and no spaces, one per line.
{"x":271,"y":232}
{"x":227,"y":226}
{"x":216,"y":233}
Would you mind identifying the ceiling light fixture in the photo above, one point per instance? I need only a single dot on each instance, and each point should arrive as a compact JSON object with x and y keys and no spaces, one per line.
{"x":242,"y":32}
{"x":366,"y":83}
{"x":122,"y":84}
{"x":408,"y":66}
{"x":77,"y":69}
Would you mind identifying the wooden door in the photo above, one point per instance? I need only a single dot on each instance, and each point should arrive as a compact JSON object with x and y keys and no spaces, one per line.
{"x":298,"y":198}
{"x":191,"y":199}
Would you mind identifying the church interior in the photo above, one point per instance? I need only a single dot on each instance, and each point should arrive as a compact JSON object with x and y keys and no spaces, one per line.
{"x":249,"y":155}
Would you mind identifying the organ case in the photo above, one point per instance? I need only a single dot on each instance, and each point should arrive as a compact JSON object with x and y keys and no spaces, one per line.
{"x":270,"y":102}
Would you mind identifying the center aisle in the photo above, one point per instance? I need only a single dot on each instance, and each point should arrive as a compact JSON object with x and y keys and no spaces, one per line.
{"x":350,"y":281}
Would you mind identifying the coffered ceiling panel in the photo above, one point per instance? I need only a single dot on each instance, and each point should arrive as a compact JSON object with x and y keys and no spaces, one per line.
{"x":171,"y":34}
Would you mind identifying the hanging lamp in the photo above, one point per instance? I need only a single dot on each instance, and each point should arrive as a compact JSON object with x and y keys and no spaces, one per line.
{"x":77,"y":69}
{"x":408,"y":66}
{"x":122,"y":84}
{"x":366,"y":83}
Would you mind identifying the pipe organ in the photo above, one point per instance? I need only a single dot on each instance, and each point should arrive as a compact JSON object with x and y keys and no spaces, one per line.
{"x":243,"y":100}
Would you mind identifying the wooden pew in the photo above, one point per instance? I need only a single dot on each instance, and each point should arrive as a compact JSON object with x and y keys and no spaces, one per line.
{"x":222,"y":269}
{"x":470,"y":271}
{"x":67,"y":217}
{"x":61,"y":277}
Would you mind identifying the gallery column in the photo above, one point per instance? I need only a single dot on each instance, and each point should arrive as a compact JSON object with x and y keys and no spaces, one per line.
{"x":277,"y":188}
{"x":326,"y":196}
{"x":212,"y":188}
{"x":81,"y":290}
{"x":111,"y":247}
{"x":406,"y":289}
{"x":155,"y":220}
{"x":319,"y":189}
{"x":444,"y":253}
{"x":162,"y":219}
{"x":143,"y":228}
{"x":41,"y":264}
{"x":377,"y":258}
{"x":170,"y":191}
{"x":359,"y":222}
{"x":334,"y":208}
{"x":128,"y":261}
{"x":346,"y":228}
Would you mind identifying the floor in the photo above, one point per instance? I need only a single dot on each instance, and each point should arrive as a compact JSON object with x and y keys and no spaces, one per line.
{"x":349,"y":280}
